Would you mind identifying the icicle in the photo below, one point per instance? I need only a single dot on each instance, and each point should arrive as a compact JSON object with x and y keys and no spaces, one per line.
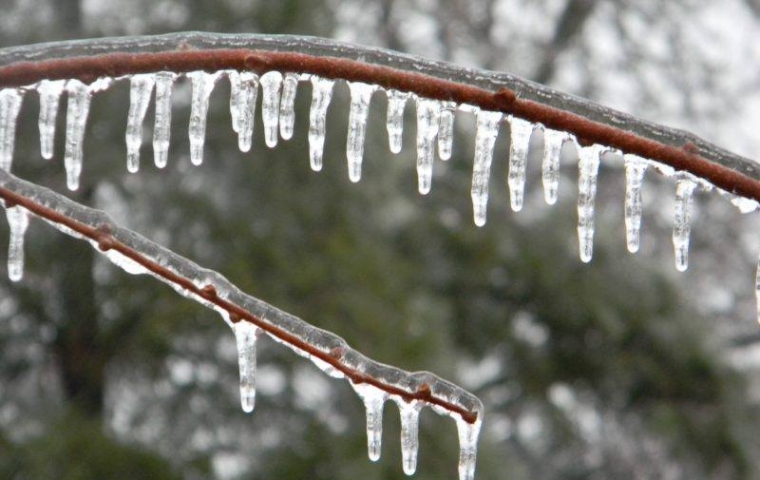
{"x":446,"y":130}
{"x":10,"y":105}
{"x":588,"y":170}
{"x":373,"y":399}
{"x":245,"y":337}
{"x":287,"y":105}
{"x":468,"y":447}
{"x":203,"y":84}
{"x":243,"y":92}
{"x":428,"y":118}
{"x":162,"y":127}
{"x":757,"y":289}
{"x":76,"y":119}
{"x":141,"y":88}
{"x":18,"y":220}
{"x":50,"y":96}
{"x":681,"y":227}
{"x":395,"y":118}
{"x":553,"y":141}
{"x":361,"y":93}
{"x":410,"y":417}
{"x":520,"y":132}
{"x":270,"y":106}
{"x":487,"y":130}
{"x":634,"y":175}
{"x":322,"y":90}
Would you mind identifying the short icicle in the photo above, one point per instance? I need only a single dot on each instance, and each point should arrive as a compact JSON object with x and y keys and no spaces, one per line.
{"x":635,"y":167}
{"x":553,"y":141}
{"x":322,"y":90}
{"x":243,"y":92}
{"x":428,"y":118}
{"x":162,"y":126}
{"x":446,"y":130}
{"x":287,"y":105}
{"x":681,"y":223}
{"x":50,"y":97}
{"x":373,"y":399}
{"x":520,"y":132}
{"x":77,"y":110}
{"x":203,"y":84}
{"x":361,"y":93}
{"x":141,"y":88}
{"x":395,"y":118}
{"x":10,"y":105}
{"x":18,"y":220}
{"x":245,"y":336}
{"x":270,"y":106}
{"x":588,"y":171}
{"x":468,"y":447}
{"x":410,"y":419}
{"x":485,"y":138}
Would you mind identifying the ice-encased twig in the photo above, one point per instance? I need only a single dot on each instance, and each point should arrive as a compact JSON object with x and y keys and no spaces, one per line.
{"x":327,"y":350}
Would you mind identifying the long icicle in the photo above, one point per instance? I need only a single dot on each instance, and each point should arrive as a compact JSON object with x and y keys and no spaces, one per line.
{"x":245,"y":336}
{"x":410,"y":418}
{"x":553,"y":141}
{"x":395,"y":118}
{"x":635,"y":167}
{"x":77,"y":109}
{"x":682,"y":222}
{"x":270,"y":105}
{"x":520,"y":132}
{"x":322,"y":90}
{"x":10,"y":105}
{"x":141,"y":88}
{"x":287,"y":105}
{"x":428,"y":118}
{"x":373,"y":399}
{"x":203,"y":84}
{"x":468,"y":447}
{"x":361,"y":93}
{"x":243,"y":92}
{"x":446,"y":130}
{"x":162,"y":127}
{"x":50,"y":97}
{"x":485,"y":138}
{"x":18,"y":220}
{"x":588,"y":171}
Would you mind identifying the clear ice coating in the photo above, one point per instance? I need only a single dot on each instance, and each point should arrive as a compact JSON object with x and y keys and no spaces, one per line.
{"x":410,"y":420}
{"x":322,"y":90}
{"x":243,"y":92}
{"x":361,"y":93}
{"x":373,"y":399}
{"x":485,"y":138}
{"x":588,"y":171}
{"x":287,"y":105}
{"x":270,"y":106}
{"x":681,"y":222}
{"x":553,"y":141}
{"x":203,"y":84}
{"x":162,"y":127}
{"x":10,"y":105}
{"x":757,"y":289}
{"x":141,"y":88}
{"x":50,"y":96}
{"x":635,"y":167}
{"x":446,"y":130}
{"x":395,"y":118}
{"x":428,"y":117}
{"x":18,"y":220}
{"x":468,"y":447}
{"x":76,"y":119}
{"x":245,"y":337}
{"x":520,"y":132}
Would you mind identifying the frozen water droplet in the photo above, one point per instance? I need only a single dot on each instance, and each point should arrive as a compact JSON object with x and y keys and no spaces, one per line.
{"x":77,"y":110}
{"x":162,"y":128}
{"x":243,"y":92}
{"x":50,"y":96}
{"x":245,"y":336}
{"x":553,"y":141}
{"x":322,"y":90}
{"x":270,"y":106}
{"x":10,"y":105}
{"x":395,"y":118}
{"x":361,"y":93}
{"x":745,"y":205}
{"x":428,"y":117}
{"x":485,"y":138}
{"x":468,"y":447}
{"x":287,"y":105}
{"x":203,"y":84}
{"x":410,"y":417}
{"x":635,"y":167}
{"x":373,"y":399}
{"x":18,"y":220}
{"x":588,"y":171}
{"x":520,"y":132}
{"x":141,"y":88}
{"x":446,"y":130}
{"x":681,"y":224}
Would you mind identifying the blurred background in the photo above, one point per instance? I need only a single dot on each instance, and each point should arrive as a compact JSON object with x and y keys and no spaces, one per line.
{"x":622,"y":368}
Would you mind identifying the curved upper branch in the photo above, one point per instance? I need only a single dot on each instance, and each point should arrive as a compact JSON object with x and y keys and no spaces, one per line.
{"x":183,"y":52}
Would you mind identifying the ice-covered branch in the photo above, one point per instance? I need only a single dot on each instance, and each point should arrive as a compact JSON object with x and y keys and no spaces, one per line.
{"x":591,"y":123}
{"x":248,"y":317}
